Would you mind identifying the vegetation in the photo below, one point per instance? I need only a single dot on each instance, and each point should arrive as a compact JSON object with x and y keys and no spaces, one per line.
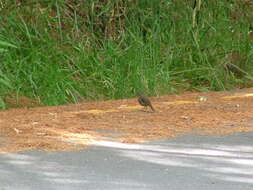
{"x":56,"y":52}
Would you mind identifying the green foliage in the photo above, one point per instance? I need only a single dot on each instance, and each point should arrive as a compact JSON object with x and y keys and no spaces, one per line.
{"x":60,"y":52}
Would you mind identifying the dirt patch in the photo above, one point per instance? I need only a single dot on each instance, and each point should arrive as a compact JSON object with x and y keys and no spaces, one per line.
{"x":19,"y":101}
{"x":73,"y":127}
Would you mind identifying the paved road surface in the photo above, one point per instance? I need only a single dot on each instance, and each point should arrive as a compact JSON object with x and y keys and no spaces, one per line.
{"x":189,"y":162}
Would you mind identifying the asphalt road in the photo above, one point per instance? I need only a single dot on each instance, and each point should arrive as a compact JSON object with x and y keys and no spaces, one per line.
{"x":188,"y":162}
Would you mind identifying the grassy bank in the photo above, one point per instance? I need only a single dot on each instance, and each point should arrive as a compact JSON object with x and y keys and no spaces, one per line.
{"x":57,"y":52}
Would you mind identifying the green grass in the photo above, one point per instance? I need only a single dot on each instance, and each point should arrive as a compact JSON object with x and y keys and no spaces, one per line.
{"x":59,"y":53}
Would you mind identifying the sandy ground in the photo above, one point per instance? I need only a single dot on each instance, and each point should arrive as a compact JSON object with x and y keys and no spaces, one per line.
{"x":74,"y":127}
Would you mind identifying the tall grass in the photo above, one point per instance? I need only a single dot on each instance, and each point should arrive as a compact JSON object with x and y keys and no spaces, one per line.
{"x":59,"y":52}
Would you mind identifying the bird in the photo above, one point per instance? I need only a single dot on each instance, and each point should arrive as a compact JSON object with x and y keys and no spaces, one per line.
{"x":144,"y":101}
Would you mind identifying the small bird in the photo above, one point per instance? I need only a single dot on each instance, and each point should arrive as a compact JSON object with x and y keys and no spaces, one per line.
{"x":144,"y":101}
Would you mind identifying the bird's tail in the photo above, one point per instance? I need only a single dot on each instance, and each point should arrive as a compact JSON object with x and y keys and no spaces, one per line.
{"x":152,"y":107}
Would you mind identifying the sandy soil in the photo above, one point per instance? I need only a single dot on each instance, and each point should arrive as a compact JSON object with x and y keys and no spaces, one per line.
{"x":74,"y":127}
